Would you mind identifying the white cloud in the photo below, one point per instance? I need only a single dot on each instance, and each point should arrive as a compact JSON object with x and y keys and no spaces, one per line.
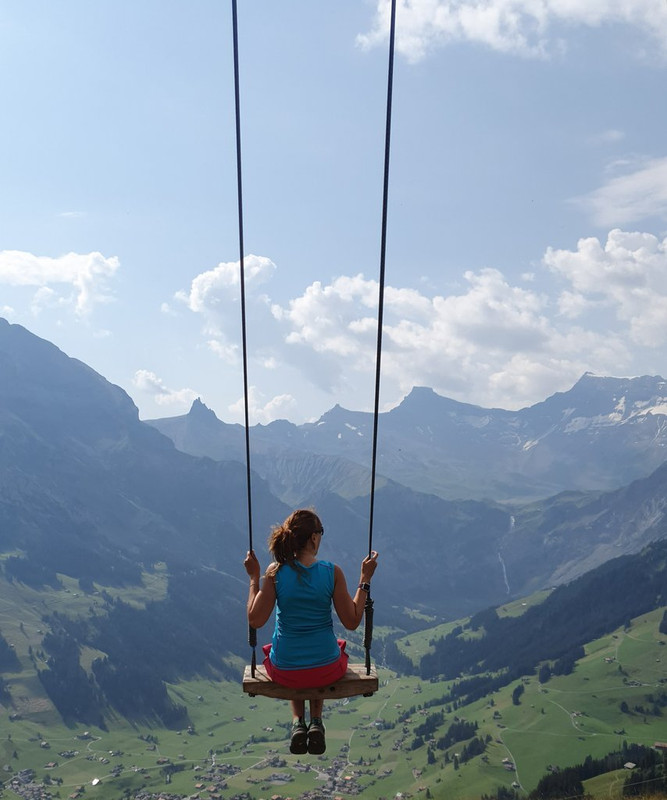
{"x":631,"y":197}
{"x":573,"y":304}
{"x":259,"y":411}
{"x":326,"y":318}
{"x":628,"y":275}
{"x":45,"y":298}
{"x":220,"y":285}
{"x":492,"y":342}
{"x":84,"y":276}
{"x":521,"y":27}
{"x":167,"y":309}
{"x":227,"y":352}
{"x":148,"y":382}
{"x":215,"y":295}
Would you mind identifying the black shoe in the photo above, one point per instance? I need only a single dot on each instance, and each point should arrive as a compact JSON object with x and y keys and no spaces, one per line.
{"x":298,"y":743}
{"x":316,"y":742}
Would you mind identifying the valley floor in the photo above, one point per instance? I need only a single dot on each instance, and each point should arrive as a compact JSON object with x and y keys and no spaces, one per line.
{"x":377,"y":747}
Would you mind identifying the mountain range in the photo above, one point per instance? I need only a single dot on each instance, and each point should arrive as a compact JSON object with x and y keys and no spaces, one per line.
{"x":89,"y":491}
{"x":87,"y":486}
{"x":600,"y":435}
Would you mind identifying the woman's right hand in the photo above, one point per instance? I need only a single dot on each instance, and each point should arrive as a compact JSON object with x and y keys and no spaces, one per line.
{"x":368,"y":567}
{"x":251,"y":565}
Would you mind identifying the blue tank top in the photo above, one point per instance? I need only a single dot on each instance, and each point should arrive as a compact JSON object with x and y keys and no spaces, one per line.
{"x":303,"y":636}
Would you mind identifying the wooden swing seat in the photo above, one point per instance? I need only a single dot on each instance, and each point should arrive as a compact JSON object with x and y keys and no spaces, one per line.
{"x":354,"y":682}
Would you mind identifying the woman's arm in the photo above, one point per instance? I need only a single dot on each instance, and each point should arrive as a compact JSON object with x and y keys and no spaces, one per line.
{"x":350,"y":610}
{"x":260,"y":601}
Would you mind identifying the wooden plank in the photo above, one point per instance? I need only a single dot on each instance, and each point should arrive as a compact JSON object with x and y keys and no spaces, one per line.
{"x":354,"y":682}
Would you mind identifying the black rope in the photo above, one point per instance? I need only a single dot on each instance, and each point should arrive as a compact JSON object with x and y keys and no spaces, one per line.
{"x":368,"y":611}
{"x":252,"y":633}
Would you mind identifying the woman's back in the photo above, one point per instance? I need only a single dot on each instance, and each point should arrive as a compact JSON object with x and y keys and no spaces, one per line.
{"x":303,"y":635}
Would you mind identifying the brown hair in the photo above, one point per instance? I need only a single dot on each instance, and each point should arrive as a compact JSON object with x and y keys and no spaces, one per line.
{"x":289,"y":539}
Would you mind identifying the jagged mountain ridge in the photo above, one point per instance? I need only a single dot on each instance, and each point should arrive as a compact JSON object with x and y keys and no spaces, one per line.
{"x":101,"y":502}
{"x":600,"y":435}
{"x":89,"y":491}
{"x":87,"y":487}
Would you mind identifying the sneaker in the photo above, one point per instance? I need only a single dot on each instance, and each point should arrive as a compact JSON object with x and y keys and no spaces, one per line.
{"x":316,"y":743}
{"x":298,"y":743}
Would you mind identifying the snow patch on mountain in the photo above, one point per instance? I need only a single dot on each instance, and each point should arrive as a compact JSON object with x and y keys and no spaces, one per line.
{"x":659,"y":409}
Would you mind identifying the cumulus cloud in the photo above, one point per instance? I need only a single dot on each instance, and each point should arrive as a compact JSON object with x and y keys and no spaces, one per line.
{"x":78,"y":281}
{"x":215,"y":287}
{"x":495,"y":342}
{"x":149,"y":383}
{"x":628,"y":198}
{"x":215,"y":295}
{"x":521,"y":27}
{"x":262,"y":411}
{"x":627,"y":274}
{"x":600,"y":307}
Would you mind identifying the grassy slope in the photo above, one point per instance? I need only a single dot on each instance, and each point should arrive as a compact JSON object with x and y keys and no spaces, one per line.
{"x":417,"y":644}
{"x":542,"y":730}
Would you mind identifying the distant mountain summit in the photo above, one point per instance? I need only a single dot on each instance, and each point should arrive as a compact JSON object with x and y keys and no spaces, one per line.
{"x":599,"y":435}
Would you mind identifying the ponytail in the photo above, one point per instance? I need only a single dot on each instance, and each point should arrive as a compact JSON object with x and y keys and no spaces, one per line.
{"x":288,"y":540}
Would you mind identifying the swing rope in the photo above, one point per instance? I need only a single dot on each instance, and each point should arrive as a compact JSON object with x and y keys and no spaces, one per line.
{"x":252,"y":633}
{"x":368,"y":609}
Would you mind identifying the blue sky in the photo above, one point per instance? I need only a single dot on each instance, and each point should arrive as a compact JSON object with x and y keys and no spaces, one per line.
{"x":528,"y":196}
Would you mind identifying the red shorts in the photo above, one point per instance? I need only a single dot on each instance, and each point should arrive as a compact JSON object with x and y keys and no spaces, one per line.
{"x":311,"y":678}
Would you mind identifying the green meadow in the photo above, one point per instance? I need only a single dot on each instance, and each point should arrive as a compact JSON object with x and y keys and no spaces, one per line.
{"x":239,"y":744}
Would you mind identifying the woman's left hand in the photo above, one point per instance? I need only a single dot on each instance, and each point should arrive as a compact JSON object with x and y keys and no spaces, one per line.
{"x":251,"y":565}
{"x":368,"y":566}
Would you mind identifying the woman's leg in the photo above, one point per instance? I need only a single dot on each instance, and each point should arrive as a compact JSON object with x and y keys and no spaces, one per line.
{"x":316,"y":706}
{"x":299,"y":708}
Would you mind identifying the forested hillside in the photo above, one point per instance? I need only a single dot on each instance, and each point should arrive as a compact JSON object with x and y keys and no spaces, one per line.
{"x":553,"y":631}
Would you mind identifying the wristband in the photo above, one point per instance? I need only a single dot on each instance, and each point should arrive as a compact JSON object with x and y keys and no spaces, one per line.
{"x":366,"y":587}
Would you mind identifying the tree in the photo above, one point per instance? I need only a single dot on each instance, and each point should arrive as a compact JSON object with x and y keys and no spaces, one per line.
{"x":544,"y":673}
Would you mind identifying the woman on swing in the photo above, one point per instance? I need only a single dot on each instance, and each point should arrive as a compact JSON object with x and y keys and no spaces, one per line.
{"x":304,"y":652}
